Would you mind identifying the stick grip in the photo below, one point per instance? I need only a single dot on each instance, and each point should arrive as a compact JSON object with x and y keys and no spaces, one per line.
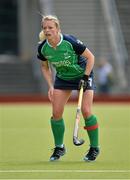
{"x":80,"y":97}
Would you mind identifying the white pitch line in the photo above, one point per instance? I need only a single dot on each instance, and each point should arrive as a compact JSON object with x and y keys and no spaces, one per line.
{"x":69,"y":179}
{"x":63,"y":171}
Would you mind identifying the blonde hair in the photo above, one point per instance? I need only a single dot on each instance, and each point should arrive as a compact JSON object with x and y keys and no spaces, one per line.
{"x":51,"y":18}
{"x":42,"y":36}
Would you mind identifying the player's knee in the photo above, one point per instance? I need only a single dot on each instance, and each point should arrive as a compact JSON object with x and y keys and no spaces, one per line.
{"x":86,"y":112}
{"x":57,"y":114}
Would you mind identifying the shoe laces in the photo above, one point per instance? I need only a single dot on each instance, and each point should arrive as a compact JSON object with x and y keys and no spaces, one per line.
{"x":57,"y":151}
{"x":92,"y":152}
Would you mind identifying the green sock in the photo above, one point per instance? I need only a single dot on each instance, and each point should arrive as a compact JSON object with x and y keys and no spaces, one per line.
{"x":58,"y":129}
{"x":91,"y":126}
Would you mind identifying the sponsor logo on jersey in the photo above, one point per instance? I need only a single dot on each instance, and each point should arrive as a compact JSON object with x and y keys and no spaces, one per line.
{"x":79,"y":42}
{"x":61,"y":63}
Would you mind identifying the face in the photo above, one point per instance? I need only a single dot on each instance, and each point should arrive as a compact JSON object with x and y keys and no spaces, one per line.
{"x":50,"y":29}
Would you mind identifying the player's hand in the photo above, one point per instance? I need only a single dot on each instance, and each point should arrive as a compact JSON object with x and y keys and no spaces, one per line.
{"x":84,"y":82}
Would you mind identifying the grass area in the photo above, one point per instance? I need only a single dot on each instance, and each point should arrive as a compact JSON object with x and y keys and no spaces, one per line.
{"x":26,"y":142}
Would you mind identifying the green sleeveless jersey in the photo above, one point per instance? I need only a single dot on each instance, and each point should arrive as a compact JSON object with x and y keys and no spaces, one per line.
{"x":66,"y":57}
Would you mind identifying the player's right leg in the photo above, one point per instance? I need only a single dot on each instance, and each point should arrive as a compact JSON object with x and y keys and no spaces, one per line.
{"x":60,"y":97}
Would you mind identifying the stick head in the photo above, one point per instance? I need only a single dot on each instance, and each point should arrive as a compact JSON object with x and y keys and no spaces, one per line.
{"x":78,"y":142}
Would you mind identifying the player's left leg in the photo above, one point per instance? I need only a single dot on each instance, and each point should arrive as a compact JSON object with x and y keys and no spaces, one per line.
{"x":91,"y":125}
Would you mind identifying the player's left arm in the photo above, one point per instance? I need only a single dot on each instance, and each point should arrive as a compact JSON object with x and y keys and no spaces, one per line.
{"x":90,"y":61}
{"x":81,"y":49}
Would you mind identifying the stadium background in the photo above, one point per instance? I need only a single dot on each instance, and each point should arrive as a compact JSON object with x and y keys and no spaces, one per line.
{"x":102,"y":25}
{"x":25,"y":134}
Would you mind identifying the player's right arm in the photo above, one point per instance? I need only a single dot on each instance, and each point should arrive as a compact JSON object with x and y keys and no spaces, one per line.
{"x":47,"y":73}
{"x":46,"y":70}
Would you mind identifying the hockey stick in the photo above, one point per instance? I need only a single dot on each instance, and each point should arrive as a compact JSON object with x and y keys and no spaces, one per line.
{"x":77,"y":141}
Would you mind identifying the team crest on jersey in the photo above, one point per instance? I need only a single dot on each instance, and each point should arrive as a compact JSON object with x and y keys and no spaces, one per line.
{"x":66,"y":55}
